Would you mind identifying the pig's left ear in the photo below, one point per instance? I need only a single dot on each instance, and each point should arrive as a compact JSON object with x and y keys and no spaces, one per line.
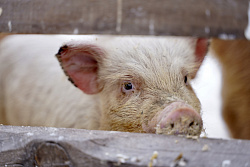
{"x":80,"y":64}
{"x":201,"y":49}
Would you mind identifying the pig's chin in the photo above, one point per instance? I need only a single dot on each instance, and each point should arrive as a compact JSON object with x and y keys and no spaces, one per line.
{"x":177,"y":118}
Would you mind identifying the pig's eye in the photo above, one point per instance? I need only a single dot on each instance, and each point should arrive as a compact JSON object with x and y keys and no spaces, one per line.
{"x":127,"y":87}
{"x":185,"y":80}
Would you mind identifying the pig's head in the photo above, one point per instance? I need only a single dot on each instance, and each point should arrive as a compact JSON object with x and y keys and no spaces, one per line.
{"x":143,"y":83}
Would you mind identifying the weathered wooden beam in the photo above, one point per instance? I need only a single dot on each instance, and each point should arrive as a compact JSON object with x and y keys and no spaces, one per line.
{"x":204,"y":18}
{"x":41,"y":146}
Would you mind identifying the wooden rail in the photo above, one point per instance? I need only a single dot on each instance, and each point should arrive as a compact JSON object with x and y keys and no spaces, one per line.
{"x":204,"y":18}
{"x":42,"y":146}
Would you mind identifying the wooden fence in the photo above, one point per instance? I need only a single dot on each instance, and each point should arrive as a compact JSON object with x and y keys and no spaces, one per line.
{"x":41,"y":146}
{"x":203,"y":18}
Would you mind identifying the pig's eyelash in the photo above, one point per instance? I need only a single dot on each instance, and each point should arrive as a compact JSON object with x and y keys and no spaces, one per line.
{"x":127,"y":77}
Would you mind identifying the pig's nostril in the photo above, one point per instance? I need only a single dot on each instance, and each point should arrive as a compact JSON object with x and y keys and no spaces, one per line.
{"x":192,"y":123}
{"x":172,"y":125}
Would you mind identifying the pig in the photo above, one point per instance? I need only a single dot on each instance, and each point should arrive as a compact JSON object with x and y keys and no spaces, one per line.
{"x":234,"y":56}
{"x":132,"y":84}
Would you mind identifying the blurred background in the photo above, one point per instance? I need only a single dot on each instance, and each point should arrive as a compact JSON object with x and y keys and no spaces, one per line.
{"x":207,"y":86}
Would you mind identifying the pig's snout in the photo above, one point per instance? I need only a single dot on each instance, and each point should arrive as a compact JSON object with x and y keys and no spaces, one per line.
{"x":180,"y":121}
{"x":176,"y":118}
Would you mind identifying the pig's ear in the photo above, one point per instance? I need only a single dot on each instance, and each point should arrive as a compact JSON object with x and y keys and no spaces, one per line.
{"x":201,"y":49}
{"x":80,"y":64}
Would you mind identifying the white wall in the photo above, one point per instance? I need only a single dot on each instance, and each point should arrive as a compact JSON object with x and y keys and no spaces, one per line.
{"x":207,"y":86}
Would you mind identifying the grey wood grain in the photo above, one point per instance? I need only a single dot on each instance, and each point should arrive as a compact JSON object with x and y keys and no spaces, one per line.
{"x":203,"y":18}
{"x":42,"y":146}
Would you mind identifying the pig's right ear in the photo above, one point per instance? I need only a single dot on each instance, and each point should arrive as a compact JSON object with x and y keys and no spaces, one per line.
{"x":201,"y":49}
{"x":80,"y":64}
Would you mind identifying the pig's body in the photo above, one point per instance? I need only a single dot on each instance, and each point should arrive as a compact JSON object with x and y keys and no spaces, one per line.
{"x":234,"y":56}
{"x":36,"y":92}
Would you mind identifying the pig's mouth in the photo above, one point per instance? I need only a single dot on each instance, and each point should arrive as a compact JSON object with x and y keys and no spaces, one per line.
{"x":175,"y":119}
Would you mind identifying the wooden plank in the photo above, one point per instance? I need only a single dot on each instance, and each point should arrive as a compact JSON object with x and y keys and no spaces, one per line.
{"x":204,"y":18}
{"x":41,"y":146}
